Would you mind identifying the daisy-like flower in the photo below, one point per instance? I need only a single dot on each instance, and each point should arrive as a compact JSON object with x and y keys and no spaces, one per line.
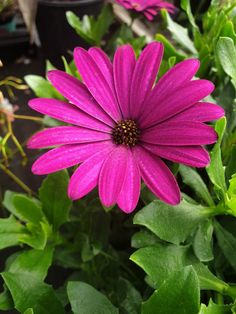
{"x":149,"y":8}
{"x":124,"y":124}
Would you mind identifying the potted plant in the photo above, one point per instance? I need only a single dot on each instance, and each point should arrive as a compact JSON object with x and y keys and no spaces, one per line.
{"x":7,"y":13}
{"x":52,"y":25}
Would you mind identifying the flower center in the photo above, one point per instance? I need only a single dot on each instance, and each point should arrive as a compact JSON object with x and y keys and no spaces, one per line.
{"x":126,"y":132}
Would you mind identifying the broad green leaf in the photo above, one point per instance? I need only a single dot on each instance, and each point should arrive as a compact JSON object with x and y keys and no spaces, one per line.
{"x":159,"y":261}
{"x":202,"y":243}
{"x":183,"y":219}
{"x":213,"y":308}
{"x":231,"y":165}
{"x":179,"y":33}
{"x":53,"y":195}
{"x":49,"y":66}
{"x":129,"y":299}
{"x":41,"y":87}
{"x":194,"y":180}
{"x":10,"y":232}
{"x":34,"y":262}
{"x":216,"y":170}
{"x":179,"y":294}
{"x":227,"y":243}
{"x":28,"y":292}
{"x":226,"y":53}
{"x":28,"y":209}
{"x":6,"y":302}
{"x":85,"y":299}
{"x":37,"y":235}
{"x":143,"y":238}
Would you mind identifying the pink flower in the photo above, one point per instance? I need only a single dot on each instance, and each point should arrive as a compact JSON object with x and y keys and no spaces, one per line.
{"x":149,"y":8}
{"x":124,"y":124}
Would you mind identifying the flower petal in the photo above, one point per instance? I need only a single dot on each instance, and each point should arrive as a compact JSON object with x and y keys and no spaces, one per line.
{"x":77,"y":93}
{"x":66,"y":112}
{"x":105,"y":64}
{"x":130,"y":191}
{"x":194,"y":156}
{"x":62,"y":135}
{"x":180,"y":134}
{"x":177,"y":76}
{"x":124,"y":63}
{"x":176,"y":102}
{"x":66,"y":156}
{"x":157,"y":176}
{"x":97,"y":83}
{"x":85,"y":178}
{"x":144,"y":76}
{"x":112,"y":174}
{"x":201,"y":112}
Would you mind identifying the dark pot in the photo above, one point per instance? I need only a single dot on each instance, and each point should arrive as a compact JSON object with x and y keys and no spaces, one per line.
{"x":56,"y":35}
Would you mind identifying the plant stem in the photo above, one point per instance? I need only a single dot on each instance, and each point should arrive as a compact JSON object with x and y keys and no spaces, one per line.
{"x":16,"y":179}
{"x":22,"y":117}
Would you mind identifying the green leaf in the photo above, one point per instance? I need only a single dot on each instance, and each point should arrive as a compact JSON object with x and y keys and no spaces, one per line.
{"x":160,"y":261}
{"x":34,"y":262}
{"x":129,"y":299}
{"x":29,"y":311}
{"x":183,"y":219}
{"x":185,"y":5}
{"x":82,"y":27}
{"x":103,"y":23}
{"x":6,"y":302}
{"x":36,"y":236}
{"x":227,"y":243}
{"x":202,"y":243}
{"x":215,"y":170}
{"x":179,"y":294}
{"x":179,"y":33}
{"x":10,"y":232}
{"x":213,"y":308}
{"x":85,"y":299}
{"x":231,"y":194}
{"x":28,"y":209}
{"x":28,"y":292}
{"x":226,"y":53}
{"x":194,"y":180}
{"x":143,"y":238}
{"x":53,"y":195}
{"x":41,"y":87}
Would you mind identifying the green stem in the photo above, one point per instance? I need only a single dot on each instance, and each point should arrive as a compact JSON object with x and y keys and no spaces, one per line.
{"x":16,"y":179}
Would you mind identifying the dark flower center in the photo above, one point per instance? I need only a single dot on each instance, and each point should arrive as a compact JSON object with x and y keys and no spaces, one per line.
{"x":126,"y":132}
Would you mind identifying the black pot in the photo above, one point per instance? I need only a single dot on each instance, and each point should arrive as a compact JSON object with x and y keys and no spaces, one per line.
{"x":56,"y":35}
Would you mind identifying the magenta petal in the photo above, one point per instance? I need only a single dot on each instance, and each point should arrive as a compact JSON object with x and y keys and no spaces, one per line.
{"x":105,"y":64}
{"x":176,"y":102}
{"x":194,"y":156}
{"x":77,"y":93}
{"x":144,"y":76}
{"x":85,"y":178}
{"x":66,"y":156}
{"x":124,"y":63}
{"x":130,"y":191}
{"x":112,"y":175}
{"x":180,"y":134}
{"x":65,"y":135}
{"x":65,"y":112}
{"x":157,"y":176}
{"x":201,"y":112}
{"x":97,"y":83}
